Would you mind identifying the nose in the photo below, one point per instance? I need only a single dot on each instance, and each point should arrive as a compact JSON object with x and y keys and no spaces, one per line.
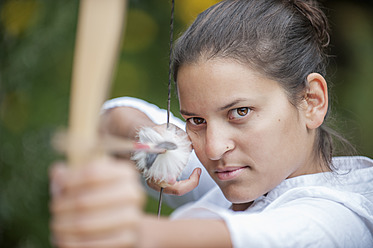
{"x":218,"y":141}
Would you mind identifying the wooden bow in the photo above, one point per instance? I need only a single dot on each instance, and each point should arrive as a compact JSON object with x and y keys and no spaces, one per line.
{"x":99,"y":32}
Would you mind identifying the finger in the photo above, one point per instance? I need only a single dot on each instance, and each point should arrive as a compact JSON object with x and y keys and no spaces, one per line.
{"x":115,"y":193}
{"x":57,"y":174}
{"x":57,"y":170}
{"x":185,"y":186}
{"x":97,"y":173}
{"x":88,"y":225}
{"x":127,"y":238}
{"x":160,"y":128}
{"x":180,"y":187}
{"x":102,"y":198}
{"x":153,"y":185}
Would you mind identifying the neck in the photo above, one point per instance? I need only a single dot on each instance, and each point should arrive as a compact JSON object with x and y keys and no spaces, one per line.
{"x":241,"y":206}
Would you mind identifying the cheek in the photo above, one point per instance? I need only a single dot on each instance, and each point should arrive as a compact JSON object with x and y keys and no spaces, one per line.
{"x":268,"y":137}
{"x":278,"y":144}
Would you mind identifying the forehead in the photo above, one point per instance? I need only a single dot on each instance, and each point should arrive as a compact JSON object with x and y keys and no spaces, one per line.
{"x":218,"y":81}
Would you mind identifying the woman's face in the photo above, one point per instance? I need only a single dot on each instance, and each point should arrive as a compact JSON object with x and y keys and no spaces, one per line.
{"x":243,"y":128}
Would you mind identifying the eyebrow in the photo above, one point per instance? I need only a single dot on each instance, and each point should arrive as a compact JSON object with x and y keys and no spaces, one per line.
{"x":227,"y":106}
{"x":184,"y":112}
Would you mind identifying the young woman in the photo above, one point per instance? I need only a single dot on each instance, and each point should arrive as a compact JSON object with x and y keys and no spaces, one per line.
{"x":250,"y":79}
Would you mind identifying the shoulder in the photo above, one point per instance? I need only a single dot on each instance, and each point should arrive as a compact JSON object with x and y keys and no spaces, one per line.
{"x":352,"y":162}
{"x":308,"y":220}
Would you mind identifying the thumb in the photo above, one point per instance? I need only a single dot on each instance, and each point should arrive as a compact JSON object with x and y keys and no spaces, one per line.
{"x":185,"y":186}
{"x":57,"y":174}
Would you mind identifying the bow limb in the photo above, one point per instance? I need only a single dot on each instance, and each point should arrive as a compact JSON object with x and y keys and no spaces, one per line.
{"x":99,"y":32}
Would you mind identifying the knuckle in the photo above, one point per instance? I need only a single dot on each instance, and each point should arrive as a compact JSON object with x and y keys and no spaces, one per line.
{"x":176,"y":191}
{"x":152,"y":185}
{"x":79,"y":226}
{"x":129,"y":194}
{"x":127,"y":169}
{"x":92,"y":174}
{"x":137,"y":196}
{"x":82,"y":203}
{"x":132,"y":215}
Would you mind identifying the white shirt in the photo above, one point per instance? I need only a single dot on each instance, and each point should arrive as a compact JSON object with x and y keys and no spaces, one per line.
{"x":316,"y":210}
{"x":331,"y":209}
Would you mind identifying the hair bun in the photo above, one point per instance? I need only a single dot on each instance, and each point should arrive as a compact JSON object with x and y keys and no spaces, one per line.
{"x":311,"y":10}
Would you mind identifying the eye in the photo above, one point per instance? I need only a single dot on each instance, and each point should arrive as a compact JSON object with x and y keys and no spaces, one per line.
{"x":196,"y":121}
{"x":238,"y":113}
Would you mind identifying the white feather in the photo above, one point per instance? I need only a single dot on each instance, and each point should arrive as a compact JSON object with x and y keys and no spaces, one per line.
{"x":167,"y":166}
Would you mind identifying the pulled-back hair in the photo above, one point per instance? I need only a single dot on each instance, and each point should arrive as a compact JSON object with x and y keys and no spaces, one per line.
{"x":284,"y":40}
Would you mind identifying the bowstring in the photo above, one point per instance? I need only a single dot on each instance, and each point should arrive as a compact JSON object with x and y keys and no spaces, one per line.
{"x":170,"y":63}
{"x":169,"y":89}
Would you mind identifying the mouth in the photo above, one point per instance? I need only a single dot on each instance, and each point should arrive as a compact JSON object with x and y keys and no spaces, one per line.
{"x":229,"y":173}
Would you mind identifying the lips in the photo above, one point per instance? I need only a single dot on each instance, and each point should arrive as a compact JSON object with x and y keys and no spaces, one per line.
{"x":229,"y":173}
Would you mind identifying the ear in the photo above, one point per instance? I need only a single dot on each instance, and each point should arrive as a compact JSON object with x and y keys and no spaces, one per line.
{"x":316,"y":99}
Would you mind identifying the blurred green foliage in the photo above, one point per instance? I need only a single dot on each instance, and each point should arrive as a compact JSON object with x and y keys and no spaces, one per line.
{"x":36,"y":54}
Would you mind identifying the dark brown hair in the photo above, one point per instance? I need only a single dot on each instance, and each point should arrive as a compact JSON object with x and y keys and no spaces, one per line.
{"x":284,"y":40}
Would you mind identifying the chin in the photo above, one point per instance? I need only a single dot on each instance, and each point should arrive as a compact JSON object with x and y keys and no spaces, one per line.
{"x":238,"y":195}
